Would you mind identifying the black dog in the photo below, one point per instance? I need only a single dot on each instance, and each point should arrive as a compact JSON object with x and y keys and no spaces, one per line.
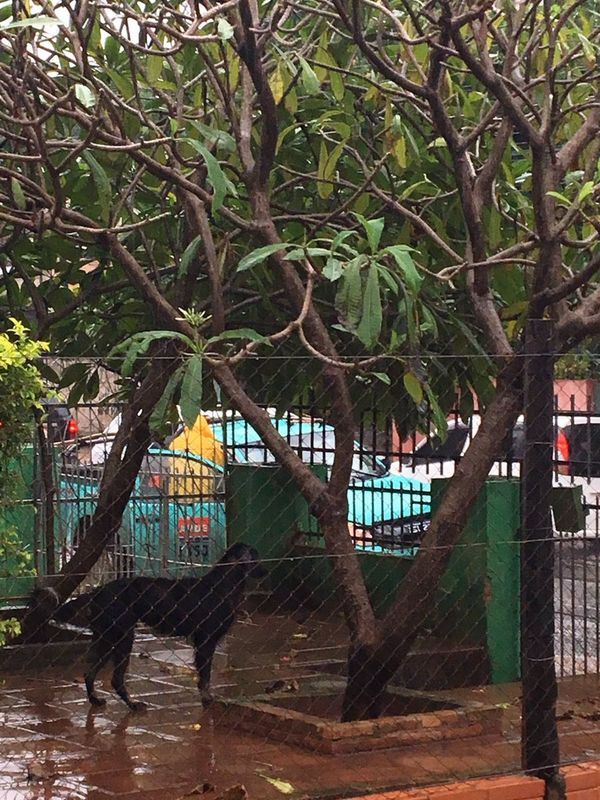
{"x":201,"y":609}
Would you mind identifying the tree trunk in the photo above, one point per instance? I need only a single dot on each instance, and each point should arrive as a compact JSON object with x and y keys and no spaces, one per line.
{"x":370,"y":668}
{"x":123,"y":464}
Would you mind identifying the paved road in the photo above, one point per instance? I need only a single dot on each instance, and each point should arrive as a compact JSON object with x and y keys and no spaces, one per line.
{"x":577,"y":604}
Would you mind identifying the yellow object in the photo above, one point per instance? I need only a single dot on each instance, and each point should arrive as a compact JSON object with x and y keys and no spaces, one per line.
{"x":189,"y":477}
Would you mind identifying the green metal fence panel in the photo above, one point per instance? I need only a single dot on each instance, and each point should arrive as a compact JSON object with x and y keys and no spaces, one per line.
{"x":19,"y":515}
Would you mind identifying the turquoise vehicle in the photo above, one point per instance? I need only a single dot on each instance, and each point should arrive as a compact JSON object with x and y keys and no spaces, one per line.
{"x":172,"y":524}
{"x":175,"y":520}
{"x":385,"y":510}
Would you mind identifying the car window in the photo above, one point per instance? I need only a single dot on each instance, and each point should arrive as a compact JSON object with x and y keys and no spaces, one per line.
{"x":314,"y":447}
{"x":584,"y":449}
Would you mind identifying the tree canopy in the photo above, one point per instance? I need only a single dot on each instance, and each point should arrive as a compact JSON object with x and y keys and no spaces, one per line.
{"x":398,"y":147}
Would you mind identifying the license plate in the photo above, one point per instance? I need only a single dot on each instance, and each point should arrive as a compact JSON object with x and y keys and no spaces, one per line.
{"x":193,"y":527}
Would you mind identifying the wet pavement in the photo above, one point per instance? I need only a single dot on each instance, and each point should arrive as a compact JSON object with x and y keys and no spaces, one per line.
{"x":54,"y":747}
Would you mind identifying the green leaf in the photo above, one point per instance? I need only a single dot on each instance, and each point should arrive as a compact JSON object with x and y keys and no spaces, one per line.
{"x":373,"y":229}
{"x":154,"y":67}
{"x":48,"y":373}
{"x":290,"y":101}
{"x":310,"y":82}
{"x":189,"y":254}
{"x":214,"y":136}
{"x":586,"y":190}
{"x":399,"y":151}
{"x":285,"y":787}
{"x":338,"y":88}
{"x":159,"y":414}
{"x":302,"y":252}
{"x":326,"y":168}
{"x":72,"y":374}
{"x":239,"y":333}
{"x":92,"y":387}
{"x":413,"y":387}
{"x":389,"y":278}
{"x":124,"y":86}
{"x":561,"y":197}
{"x":18,"y":194}
{"x":85,"y":95}
{"x":191,"y":390}
{"x":218,"y":180}
{"x":351,"y":293}
{"x":438,"y":416}
{"x":339,"y":239}
{"x":369,"y":327}
{"x":588,"y":49}
{"x":112,"y":49}
{"x":102,"y":184}
{"x":139,"y":343}
{"x":224,"y":30}
{"x":277,"y":83}
{"x":383,"y":377}
{"x":404,"y":260}
{"x":38,"y":23}
{"x":333,"y":269}
{"x":260,"y":255}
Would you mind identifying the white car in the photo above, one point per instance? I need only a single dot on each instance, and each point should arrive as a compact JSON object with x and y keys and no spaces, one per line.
{"x":576,"y":459}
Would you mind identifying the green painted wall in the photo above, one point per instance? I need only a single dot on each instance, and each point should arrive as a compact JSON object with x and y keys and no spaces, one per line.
{"x":22,"y":516}
{"x":478,"y":598}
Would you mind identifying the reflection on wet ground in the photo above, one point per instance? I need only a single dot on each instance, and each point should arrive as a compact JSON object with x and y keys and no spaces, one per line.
{"x":54,"y":747}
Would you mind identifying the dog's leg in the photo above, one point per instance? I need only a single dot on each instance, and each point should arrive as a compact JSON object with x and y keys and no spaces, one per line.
{"x":203,"y":656}
{"x":122,"y":652}
{"x":101,"y":650}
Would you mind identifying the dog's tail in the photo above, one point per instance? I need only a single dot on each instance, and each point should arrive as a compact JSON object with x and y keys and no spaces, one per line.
{"x":74,"y":612}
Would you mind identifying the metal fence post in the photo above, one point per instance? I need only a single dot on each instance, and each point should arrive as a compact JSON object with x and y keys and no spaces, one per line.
{"x":163,"y":530}
{"x":539,"y":736}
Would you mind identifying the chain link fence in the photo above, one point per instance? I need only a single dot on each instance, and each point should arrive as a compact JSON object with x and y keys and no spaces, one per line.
{"x":157,"y":614}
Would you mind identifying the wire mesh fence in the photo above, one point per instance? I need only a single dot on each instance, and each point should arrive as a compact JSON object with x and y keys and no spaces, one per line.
{"x":173,"y":603}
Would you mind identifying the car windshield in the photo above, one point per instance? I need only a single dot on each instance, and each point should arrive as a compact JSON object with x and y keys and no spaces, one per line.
{"x":314,"y":447}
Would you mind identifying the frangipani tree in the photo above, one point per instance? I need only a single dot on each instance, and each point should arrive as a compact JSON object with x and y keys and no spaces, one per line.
{"x":369,"y":185}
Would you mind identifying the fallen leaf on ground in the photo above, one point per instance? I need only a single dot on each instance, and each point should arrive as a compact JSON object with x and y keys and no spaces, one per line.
{"x":285,"y":787}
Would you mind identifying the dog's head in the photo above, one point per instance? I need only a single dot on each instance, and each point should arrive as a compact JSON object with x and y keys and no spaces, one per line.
{"x":247,"y":556}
